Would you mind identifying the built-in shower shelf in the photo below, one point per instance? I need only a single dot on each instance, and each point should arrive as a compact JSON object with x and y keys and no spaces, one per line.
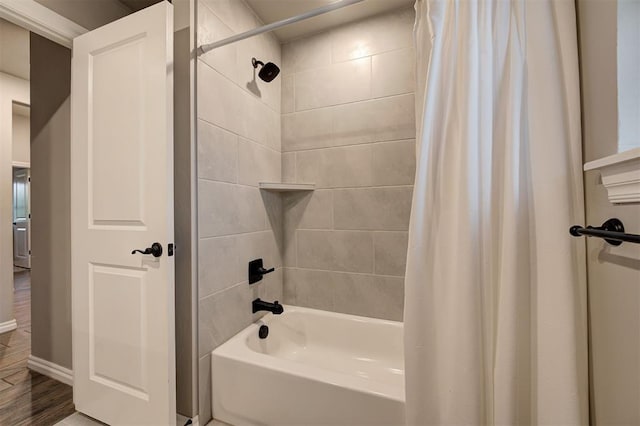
{"x":287,"y":187}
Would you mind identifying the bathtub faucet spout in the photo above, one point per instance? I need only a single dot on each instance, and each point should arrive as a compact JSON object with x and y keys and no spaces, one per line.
{"x":260,"y":305}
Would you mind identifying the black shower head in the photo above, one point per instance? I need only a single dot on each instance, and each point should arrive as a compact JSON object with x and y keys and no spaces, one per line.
{"x":269,"y":70}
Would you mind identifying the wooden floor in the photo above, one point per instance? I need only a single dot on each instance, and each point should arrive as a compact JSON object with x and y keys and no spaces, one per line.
{"x":26,"y":397}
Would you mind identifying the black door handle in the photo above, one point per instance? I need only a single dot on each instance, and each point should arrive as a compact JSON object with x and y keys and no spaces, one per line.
{"x":155,"y":250}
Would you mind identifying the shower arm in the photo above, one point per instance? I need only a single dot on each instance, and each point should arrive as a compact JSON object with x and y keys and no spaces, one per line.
{"x":275,"y":25}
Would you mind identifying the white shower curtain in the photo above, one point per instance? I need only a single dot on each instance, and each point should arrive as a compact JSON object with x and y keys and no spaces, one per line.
{"x":495,"y":305}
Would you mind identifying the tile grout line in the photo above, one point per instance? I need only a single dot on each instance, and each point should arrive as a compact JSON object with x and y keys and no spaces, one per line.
{"x":234,"y":285}
{"x":352,"y":145}
{"x":333,"y":271}
{"x":361,"y":101}
{"x":248,"y":139}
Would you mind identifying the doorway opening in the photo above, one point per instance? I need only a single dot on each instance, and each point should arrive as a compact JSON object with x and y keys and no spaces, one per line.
{"x":26,"y":395}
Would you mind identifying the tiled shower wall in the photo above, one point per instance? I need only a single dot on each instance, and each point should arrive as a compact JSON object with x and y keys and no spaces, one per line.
{"x":348,"y":125}
{"x":238,"y":146}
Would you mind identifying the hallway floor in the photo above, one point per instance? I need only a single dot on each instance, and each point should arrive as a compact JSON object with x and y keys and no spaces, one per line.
{"x":27,"y":397}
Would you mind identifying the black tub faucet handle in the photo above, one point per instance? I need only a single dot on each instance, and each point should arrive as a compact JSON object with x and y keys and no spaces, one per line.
{"x":257,"y":270}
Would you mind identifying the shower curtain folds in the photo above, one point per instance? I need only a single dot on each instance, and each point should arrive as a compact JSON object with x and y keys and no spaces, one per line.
{"x":495,"y":301}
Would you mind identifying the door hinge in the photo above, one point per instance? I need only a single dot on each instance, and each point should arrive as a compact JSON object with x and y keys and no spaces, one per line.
{"x":29,"y":252}
{"x":170,"y":249}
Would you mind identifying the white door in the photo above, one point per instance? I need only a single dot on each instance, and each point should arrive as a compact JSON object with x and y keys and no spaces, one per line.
{"x":21,"y":218}
{"x":122,"y":199}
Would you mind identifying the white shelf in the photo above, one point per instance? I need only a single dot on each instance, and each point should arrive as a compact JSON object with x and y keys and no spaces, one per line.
{"x":620,"y":175}
{"x":286,"y":187}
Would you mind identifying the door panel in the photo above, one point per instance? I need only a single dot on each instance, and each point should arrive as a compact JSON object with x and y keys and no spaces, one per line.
{"x":122,"y":199}
{"x":113,"y":84}
{"x":116,"y":298}
{"x":21,"y":218}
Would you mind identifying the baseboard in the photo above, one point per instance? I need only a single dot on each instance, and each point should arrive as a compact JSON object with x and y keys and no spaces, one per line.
{"x":8,"y":326}
{"x":50,"y":369}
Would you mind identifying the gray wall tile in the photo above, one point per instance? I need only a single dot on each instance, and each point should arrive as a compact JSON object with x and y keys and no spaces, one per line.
{"x":370,"y":296}
{"x":250,"y":209}
{"x":307,"y":129}
{"x":218,"y":264}
{"x":379,"y":34}
{"x":224,"y":314}
{"x":289,"y":167}
{"x":333,"y":85}
{"x":394,"y":163}
{"x":226,"y":209}
{"x":370,"y":209}
{"x":310,"y":288}
{"x":256,"y":245}
{"x":233,"y":13}
{"x":395,"y":118}
{"x":309,"y":210}
{"x":342,"y":167}
{"x":352,"y":134}
{"x":353,"y":124}
{"x":335,"y":250}
{"x":274,"y":215}
{"x":390,"y":250}
{"x":393,"y":73}
{"x":288,"y":100}
{"x":257,"y":163}
{"x":271,"y":287}
{"x":356,"y":294}
{"x":215,"y":199}
{"x":288,"y":288}
{"x":211,"y":28}
{"x":213,"y":86}
{"x":290,"y":245}
{"x":306,"y":53}
{"x":217,"y":153}
{"x":239,"y":145}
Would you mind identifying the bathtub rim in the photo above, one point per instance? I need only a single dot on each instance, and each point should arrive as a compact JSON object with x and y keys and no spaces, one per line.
{"x":235,"y":349}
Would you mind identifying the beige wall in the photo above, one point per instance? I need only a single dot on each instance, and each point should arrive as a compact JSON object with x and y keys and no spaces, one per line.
{"x":348,"y":125}
{"x":614,"y":272}
{"x":14,"y":50}
{"x":598,"y":29}
{"x":50,"y":201}
{"x":90,"y":14}
{"x":238,"y":131}
{"x":14,"y":86}
{"x":20,"y":139}
{"x":11,"y":89}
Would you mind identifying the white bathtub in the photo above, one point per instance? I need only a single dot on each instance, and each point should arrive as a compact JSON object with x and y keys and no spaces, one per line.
{"x":314,"y":368}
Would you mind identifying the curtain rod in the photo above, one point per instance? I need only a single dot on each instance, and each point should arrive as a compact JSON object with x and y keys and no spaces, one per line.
{"x":612,"y":231}
{"x":275,"y":25}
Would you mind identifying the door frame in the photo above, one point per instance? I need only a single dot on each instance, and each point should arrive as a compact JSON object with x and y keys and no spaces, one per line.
{"x":45,"y":22}
{"x":41,"y":20}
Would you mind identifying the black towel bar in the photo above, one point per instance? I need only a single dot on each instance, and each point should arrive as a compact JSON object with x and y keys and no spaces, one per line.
{"x":612,"y":231}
